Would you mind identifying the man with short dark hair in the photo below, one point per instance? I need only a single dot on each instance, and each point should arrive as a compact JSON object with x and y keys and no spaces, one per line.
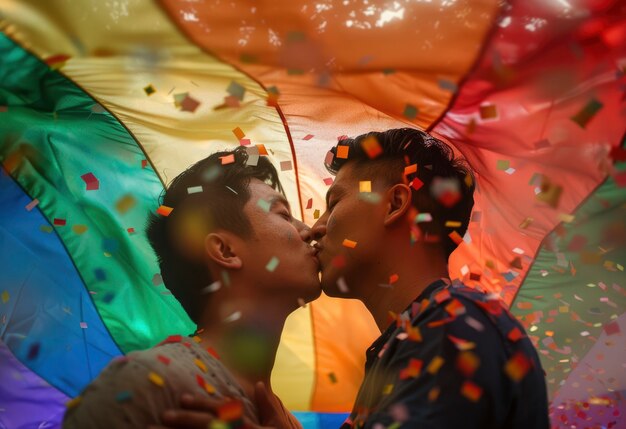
{"x":239,"y":264}
{"x":449,"y":356}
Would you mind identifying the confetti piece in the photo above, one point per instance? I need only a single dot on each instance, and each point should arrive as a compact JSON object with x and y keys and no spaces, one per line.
{"x":194,"y":189}
{"x":79,"y":229}
{"x":342,"y":285}
{"x":156,"y":379}
{"x":433,"y":394}
{"x":502,"y":164}
{"x":32,"y":204}
{"x":253,"y":155}
{"x":309,"y":204}
{"x":228,"y":159}
{"x":416,"y":184}
{"x":455,"y":308}
{"x":387,"y":389}
{"x":83,"y":325}
{"x":233,"y":317}
{"x":423,"y":217}
{"x":365,"y":186}
{"x":549,"y":193}
{"x":342,"y":151}
{"x":410,"y":111}
{"x":286,"y":166}
{"x":200,"y":365}
{"x":612,"y":328}
{"x":59,"y":222}
{"x":446,"y":191}
{"x":149,"y":90}
{"x":371,"y":147}
{"x":453,"y":224}
{"x":178,"y":99}
{"x":272,"y":264}
{"x":56,"y":62}
{"x":370,"y":197}
{"x":204,"y":385}
{"x":125,"y":203}
{"x":236,"y":90}
{"x":130,"y":230}
{"x":46,"y":228}
{"x":488,"y":111}
{"x":230,"y":411}
{"x":587,"y":113}
{"x":447,"y":85}
{"x":144,"y":163}
{"x":454,"y":236}
{"x":517,"y":367}
{"x":308,"y":137}
{"x":393,"y":278}
{"x":328,"y":181}
{"x":328,"y":160}
{"x":332,"y":377}
{"x":163,"y":359}
{"x":189,"y":104}
{"x":412,"y":370}
{"x":316,"y":214}
{"x":91,"y":181}
{"x":238,"y":133}
{"x":349,"y":243}
{"x":5,"y":297}
{"x":435,"y":364}
{"x":164,"y":210}
{"x":410,"y":169}
{"x":515,"y":334}
{"x":124,"y":396}
{"x":264,"y":205}
{"x":471,"y":391}
{"x":245,"y":142}
{"x":213,"y":287}
{"x":262,"y":149}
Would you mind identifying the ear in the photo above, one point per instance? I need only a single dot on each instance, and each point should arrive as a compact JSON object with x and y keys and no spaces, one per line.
{"x":398,"y":202}
{"x":220,"y":247}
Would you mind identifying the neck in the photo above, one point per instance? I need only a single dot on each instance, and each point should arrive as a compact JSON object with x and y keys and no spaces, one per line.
{"x":245,"y":331}
{"x":416,"y":267}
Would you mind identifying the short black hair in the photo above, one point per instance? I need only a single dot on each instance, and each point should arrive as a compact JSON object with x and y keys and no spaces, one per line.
{"x":386,"y":154}
{"x":210,"y":194}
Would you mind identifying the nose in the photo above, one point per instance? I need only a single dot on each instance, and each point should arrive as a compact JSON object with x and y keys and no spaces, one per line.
{"x":319,"y":229}
{"x":303,"y":230}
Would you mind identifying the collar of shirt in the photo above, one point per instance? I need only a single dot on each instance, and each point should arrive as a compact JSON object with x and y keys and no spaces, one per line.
{"x":374,"y":349}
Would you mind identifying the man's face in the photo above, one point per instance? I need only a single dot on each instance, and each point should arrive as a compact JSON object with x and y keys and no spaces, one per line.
{"x":354,"y":230}
{"x":282,"y":262}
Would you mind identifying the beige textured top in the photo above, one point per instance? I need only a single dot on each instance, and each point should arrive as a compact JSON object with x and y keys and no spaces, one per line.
{"x":133,"y":391}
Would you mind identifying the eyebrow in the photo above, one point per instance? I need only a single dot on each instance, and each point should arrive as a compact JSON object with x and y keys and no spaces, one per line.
{"x":334,"y":189}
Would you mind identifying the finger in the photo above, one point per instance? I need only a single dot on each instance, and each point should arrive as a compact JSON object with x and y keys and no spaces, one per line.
{"x":204,"y":403}
{"x":187,"y":418}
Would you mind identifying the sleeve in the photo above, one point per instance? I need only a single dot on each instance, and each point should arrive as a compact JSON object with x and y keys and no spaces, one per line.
{"x":449,"y":379}
{"x":129,"y":393}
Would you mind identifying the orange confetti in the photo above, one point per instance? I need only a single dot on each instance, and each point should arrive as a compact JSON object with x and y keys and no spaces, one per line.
{"x":517,"y":367}
{"x":349,"y":243}
{"x":410,"y":169}
{"x":471,"y":391}
{"x":412,"y":370}
{"x":342,"y":151}
{"x":454,"y":236}
{"x":238,"y":132}
{"x":262,"y":150}
{"x":435,"y":364}
{"x":164,"y":210}
{"x":393,"y":278}
{"x":228,"y":159}
{"x":371,"y":147}
{"x":467,"y":363}
{"x":230,"y":411}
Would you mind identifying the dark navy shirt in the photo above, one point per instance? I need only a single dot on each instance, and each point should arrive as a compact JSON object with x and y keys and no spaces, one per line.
{"x":456,"y":358}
